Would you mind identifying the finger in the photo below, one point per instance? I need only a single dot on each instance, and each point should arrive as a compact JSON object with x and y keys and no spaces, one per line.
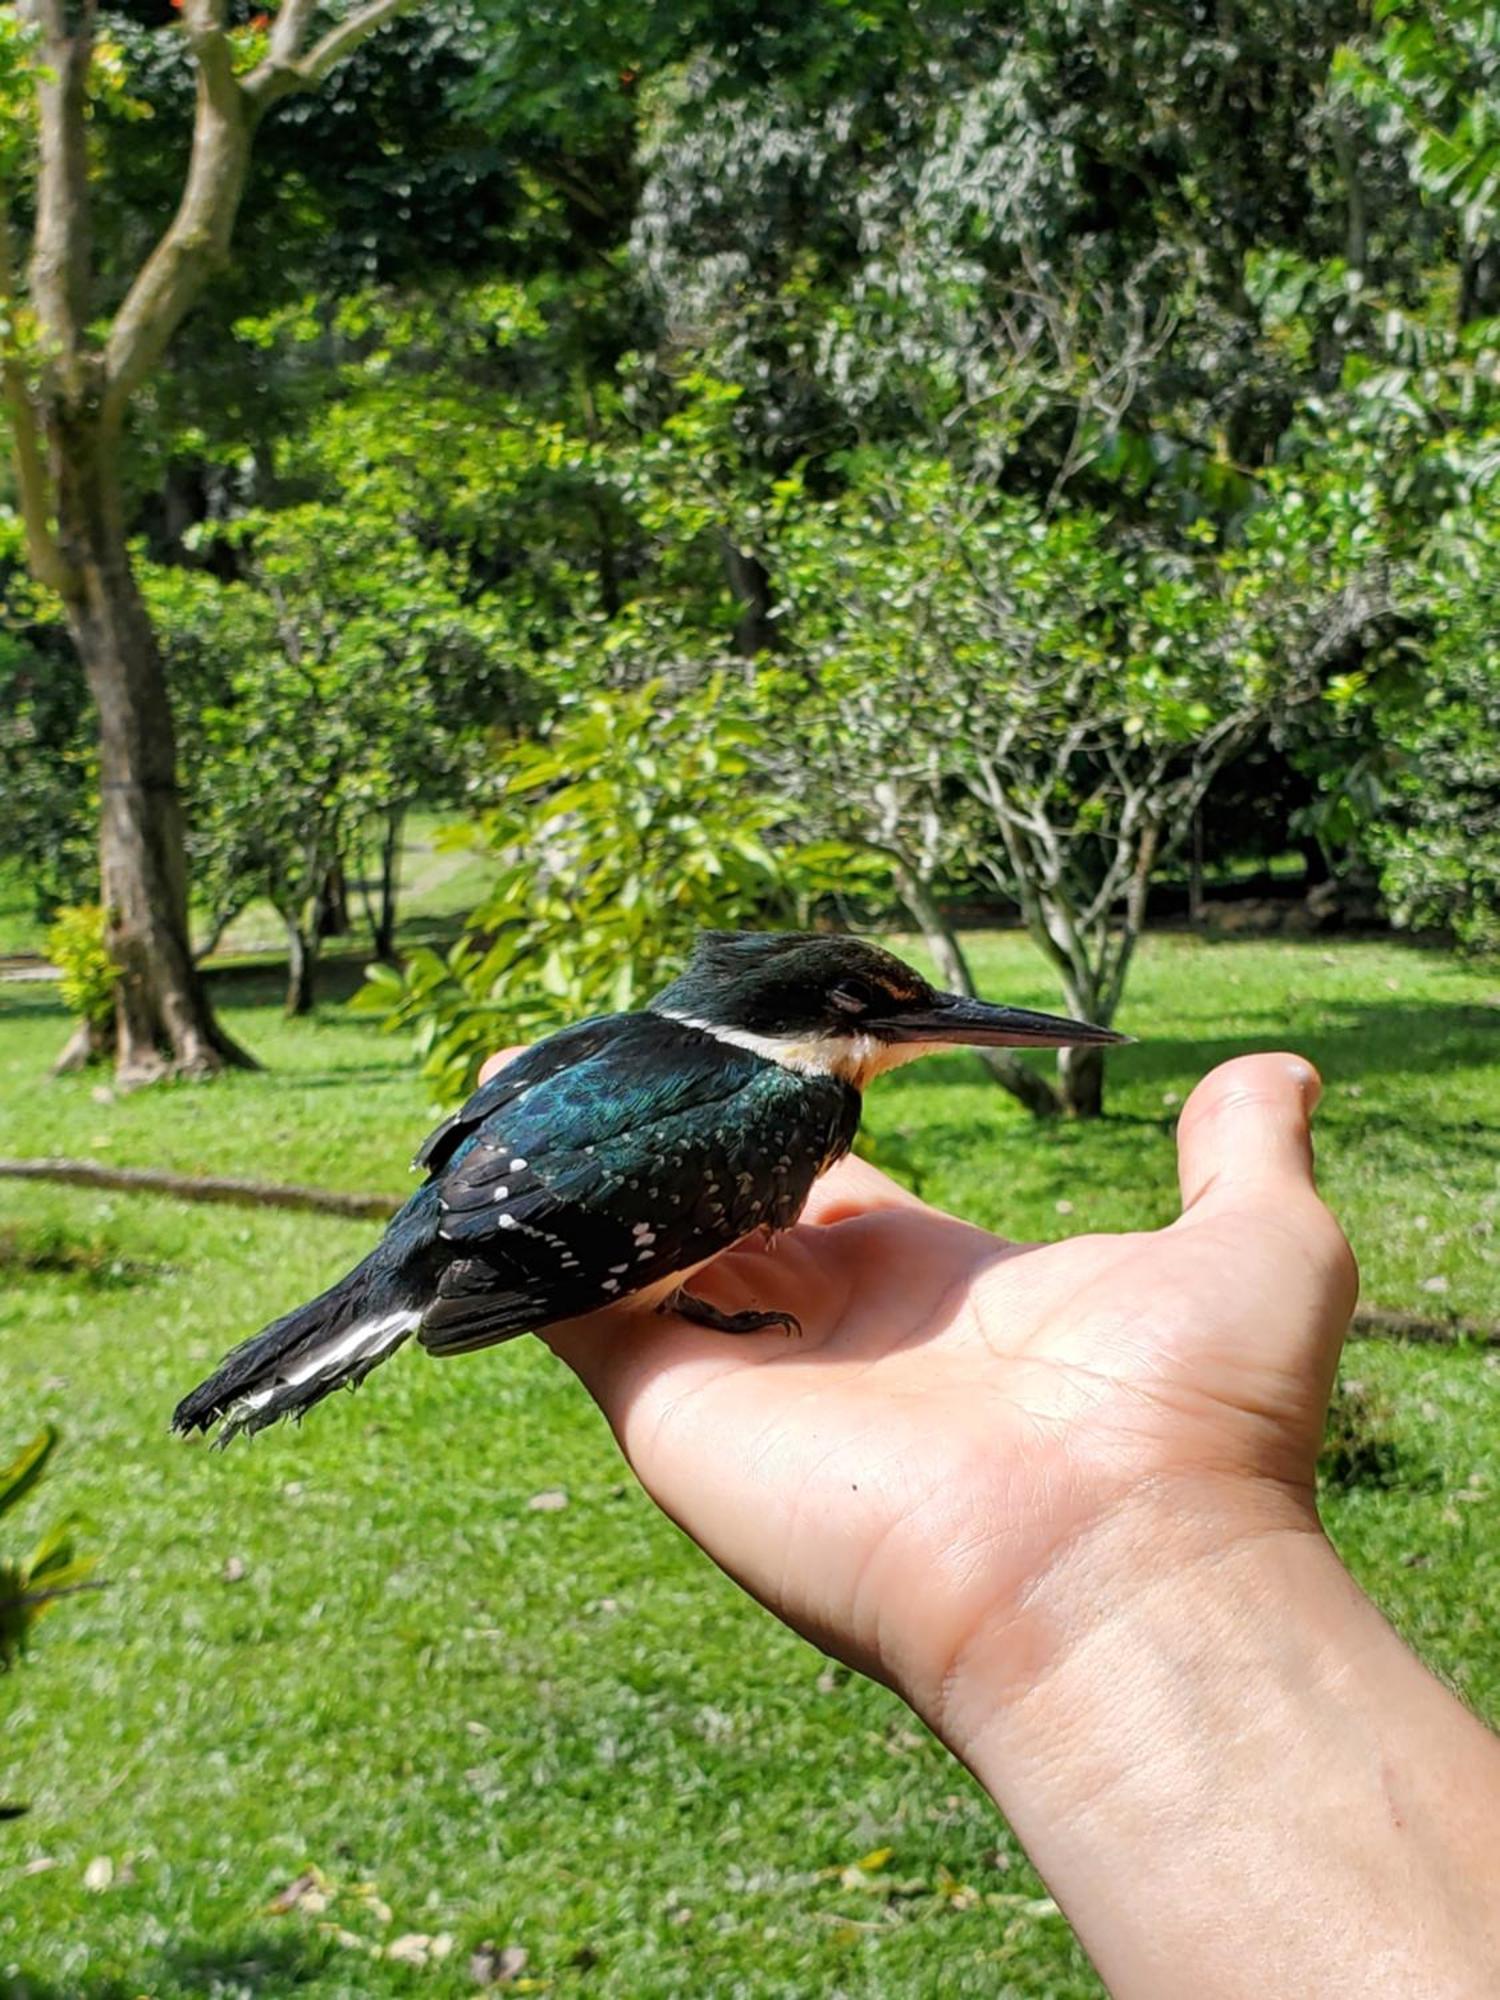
{"x":1244,"y":1131}
{"x":492,"y":1065}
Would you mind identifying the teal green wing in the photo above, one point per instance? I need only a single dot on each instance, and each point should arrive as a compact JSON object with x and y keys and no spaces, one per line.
{"x":607,"y":1177}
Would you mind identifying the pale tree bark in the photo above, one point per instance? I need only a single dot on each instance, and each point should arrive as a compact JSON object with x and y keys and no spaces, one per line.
{"x":66,"y":415}
{"x":301,"y":964}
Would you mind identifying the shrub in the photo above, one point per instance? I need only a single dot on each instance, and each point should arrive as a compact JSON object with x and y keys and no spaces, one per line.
{"x":640,"y":820}
{"x":76,"y":945}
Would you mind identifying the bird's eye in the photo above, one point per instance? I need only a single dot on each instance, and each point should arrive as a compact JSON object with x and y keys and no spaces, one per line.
{"x":852,"y":996}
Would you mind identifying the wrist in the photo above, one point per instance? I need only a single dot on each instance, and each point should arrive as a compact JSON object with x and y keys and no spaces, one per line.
{"x":1227,"y":1767}
{"x":1197,"y":1560}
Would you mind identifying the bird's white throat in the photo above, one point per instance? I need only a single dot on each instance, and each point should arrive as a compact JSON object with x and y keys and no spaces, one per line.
{"x":854,"y":1057}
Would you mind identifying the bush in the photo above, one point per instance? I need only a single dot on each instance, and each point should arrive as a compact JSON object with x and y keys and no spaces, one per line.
{"x":76,"y":945}
{"x":639,"y":821}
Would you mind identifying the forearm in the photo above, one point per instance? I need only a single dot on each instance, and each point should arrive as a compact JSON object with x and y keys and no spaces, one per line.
{"x":1235,"y":1779}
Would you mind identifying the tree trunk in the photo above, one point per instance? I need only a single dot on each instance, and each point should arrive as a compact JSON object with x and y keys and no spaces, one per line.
{"x":164,"y":1023}
{"x":390,"y":885}
{"x":1008,"y":1070}
{"x":755,"y":629}
{"x":301,"y":964}
{"x":1080,"y":1079}
{"x":1087,"y":995}
{"x":332,"y":918}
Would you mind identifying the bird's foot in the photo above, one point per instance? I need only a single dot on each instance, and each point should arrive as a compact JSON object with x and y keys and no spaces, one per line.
{"x":701,"y":1313}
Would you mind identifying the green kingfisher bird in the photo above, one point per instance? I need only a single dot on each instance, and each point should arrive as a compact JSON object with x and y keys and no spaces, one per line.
{"x":611,"y":1161}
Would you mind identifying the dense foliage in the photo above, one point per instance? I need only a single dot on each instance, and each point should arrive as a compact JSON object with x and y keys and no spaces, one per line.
{"x":1037,"y":418}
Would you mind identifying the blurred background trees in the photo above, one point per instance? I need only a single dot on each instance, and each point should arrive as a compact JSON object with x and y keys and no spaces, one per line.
{"x":1046,"y":453}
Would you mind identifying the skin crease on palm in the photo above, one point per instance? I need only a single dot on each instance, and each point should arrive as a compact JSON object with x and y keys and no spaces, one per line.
{"x":908,"y":1482}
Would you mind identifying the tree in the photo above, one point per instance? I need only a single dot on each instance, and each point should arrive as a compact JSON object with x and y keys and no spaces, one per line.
{"x":69,"y":384}
{"x":1419,"y":775}
{"x":1036,"y":696}
{"x":343,"y":677}
{"x":1431,"y":76}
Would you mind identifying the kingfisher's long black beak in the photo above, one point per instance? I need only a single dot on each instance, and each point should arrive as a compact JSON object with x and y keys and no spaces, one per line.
{"x":976,"y":1024}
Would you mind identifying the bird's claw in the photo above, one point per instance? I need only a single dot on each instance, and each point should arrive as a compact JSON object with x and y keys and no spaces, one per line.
{"x":701,"y":1313}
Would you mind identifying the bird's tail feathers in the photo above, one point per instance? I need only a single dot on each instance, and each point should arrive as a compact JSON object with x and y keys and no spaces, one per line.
{"x":330,"y":1343}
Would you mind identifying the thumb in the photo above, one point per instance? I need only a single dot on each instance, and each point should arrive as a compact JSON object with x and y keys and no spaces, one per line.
{"x":1245,"y":1160}
{"x":1244,"y":1131}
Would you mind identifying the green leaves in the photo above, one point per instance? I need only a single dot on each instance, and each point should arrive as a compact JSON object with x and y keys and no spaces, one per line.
{"x":89,"y":975}
{"x":1433,"y":825}
{"x":30,"y":1584}
{"x":1432,"y":76}
{"x":639,"y":819}
{"x":351,"y":672}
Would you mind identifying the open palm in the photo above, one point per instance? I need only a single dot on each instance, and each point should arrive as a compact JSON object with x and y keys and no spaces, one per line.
{"x":959,"y":1411}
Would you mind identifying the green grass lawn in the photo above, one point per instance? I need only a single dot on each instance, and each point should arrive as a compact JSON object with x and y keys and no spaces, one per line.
{"x":358,"y":1648}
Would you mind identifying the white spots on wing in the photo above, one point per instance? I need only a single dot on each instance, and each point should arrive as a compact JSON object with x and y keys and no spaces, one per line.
{"x":619,"y":1269}
{"x":643,"y":1232}
{"x":501,"y":1194}
{"x":645,"y":1257}
{"x":518,"y":1165}
{"x":610,"y":1285}
{"x":553,"y":1242}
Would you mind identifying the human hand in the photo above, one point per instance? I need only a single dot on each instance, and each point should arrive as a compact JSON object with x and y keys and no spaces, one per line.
{"x":912,"y":1482}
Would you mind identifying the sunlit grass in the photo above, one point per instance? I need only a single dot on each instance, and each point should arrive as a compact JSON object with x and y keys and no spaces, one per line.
{"x":356,"y":1647}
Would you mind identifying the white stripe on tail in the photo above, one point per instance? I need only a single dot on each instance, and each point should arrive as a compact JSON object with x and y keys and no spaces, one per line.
{"x":370,"y":1341}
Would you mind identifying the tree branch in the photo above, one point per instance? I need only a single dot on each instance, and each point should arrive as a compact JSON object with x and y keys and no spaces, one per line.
{"x":196,"y":240}
{"x":186,"y":1187}
{"x":284,"y":72}
{"x":60,"y":241}
{"x":33,"y":488}
{"x":290,"y":30}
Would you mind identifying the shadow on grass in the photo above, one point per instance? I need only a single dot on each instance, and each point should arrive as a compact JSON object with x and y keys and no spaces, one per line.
{"x":31,"y":1000}
{"x":262,"y":982}
{"x":95,"y":1263}
{"x":1361,"y":1448}
{"x":258,"y":1962}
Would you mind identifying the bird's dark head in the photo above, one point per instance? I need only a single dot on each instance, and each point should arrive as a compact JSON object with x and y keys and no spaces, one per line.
{"x":841,"y":1006}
